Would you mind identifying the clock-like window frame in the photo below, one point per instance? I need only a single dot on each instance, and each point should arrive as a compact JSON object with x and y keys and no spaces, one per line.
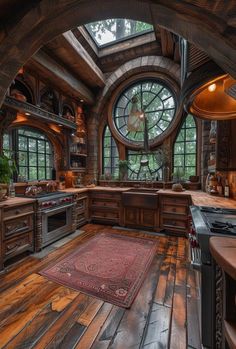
{"x":161,"y":93}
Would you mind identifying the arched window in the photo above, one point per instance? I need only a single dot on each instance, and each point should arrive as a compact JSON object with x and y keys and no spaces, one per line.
{"x":32,"y":153}
{"x":150,"y":97}
{"x":110,"y":154}
{"x":185,"y":148}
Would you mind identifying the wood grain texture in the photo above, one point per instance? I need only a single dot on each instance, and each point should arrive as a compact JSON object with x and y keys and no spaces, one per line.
{"x":37,"y":313}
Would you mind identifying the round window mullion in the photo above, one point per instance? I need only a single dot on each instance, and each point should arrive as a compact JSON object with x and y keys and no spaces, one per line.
{"x":152,"y":95}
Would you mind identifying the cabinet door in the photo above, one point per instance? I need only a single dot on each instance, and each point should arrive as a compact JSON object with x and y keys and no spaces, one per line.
{"x":131,"y":216}
{"x":148,"y":218}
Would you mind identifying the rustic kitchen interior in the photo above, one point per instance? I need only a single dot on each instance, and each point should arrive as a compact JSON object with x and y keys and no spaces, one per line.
{"x":117,"y":143}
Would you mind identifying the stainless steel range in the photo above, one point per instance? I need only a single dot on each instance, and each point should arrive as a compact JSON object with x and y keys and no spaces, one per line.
{"x":208,"y":222}
{"x":54,"y":217}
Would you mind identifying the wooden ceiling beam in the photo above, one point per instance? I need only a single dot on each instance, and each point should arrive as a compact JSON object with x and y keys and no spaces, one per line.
{"x":167,"y":41}
{"x":69,"y":50}
{"x":58,"y":75}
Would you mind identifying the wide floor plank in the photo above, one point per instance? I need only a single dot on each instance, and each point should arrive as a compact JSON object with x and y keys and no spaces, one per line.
{"x":38,"y":313}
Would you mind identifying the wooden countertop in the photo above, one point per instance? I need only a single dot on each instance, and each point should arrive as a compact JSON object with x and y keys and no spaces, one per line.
{"x":16,"y":201}
{"x":199,"y":198}
{"x":223,"y":250}
{"x":97,"y":188}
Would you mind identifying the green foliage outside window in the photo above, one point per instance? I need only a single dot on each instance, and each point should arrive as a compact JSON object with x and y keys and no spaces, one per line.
{"x":32,"y":153}
{"x":185,"y":148}
{"x":152,"y":171}
{"x":111,"y":30}
{"x":156,"y":101}
{"x":110,"y":155}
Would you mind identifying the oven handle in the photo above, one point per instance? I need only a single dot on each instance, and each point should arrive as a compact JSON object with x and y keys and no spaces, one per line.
{"x":57,"y":208}
{"x":195,"y":256}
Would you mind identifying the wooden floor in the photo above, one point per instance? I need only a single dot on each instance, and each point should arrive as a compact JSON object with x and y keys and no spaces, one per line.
{"x":37,"y":313}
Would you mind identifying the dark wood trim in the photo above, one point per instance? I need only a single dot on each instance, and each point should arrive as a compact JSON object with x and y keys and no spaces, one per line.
{"x":37,"y":112}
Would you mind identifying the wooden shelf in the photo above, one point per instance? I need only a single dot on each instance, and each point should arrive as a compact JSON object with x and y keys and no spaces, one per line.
{"x":40,"y":113}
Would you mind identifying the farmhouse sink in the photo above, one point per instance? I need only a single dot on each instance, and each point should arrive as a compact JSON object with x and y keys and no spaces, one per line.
{"x":141,"y":198}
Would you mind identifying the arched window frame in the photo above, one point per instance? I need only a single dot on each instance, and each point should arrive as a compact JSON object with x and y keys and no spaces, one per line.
{"x":186,"y":140}
{"x":138,"y":84}
{"x":113,"y":168}
{"x":33,"y":157}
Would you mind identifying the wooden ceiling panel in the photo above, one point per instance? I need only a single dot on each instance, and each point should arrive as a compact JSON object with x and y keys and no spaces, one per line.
{"x":69,"y":50}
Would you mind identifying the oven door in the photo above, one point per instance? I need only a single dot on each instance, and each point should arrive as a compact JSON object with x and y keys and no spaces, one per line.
{"x":56,"y":223}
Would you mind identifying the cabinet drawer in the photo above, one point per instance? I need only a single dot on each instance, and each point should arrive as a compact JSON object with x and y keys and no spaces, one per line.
{"x":81,"y":219}
{"x":17,"y":226}
{"x":17,"y":211}
{"x":17,"y":245}
{"x":105,"y":203}
{"x":172,"y":200}
{"x":175,"y":209}
{"x":105,"y":215}
{"x":81,"y":204}
{"x":106,"y":195}
{"x":172,"y":223}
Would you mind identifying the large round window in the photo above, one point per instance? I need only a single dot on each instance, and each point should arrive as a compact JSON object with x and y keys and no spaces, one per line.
{"x":149,"y":99}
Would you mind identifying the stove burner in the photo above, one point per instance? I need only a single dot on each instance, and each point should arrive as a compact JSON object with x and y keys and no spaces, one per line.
{"x":218,"y":224}
{"x":218,"y":210}
{"x":222,"y":227}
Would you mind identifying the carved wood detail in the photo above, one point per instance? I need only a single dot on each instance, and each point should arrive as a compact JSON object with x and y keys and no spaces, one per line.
{"x":38,"y":233}
{"x":219,"y":286}
{"x":36,"y":111}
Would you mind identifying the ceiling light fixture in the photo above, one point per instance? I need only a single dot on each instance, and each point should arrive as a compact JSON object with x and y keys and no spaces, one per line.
{"x":27,"y":114}
{"x":212,"y":87}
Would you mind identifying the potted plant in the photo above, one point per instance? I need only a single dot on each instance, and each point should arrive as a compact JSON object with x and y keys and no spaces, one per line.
{"x":123,"y":170}
{"x":178,"y":176}
{"x":7,"y":168}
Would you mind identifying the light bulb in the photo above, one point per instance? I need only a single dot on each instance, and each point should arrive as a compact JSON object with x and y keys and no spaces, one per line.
{"x":212,"y":88}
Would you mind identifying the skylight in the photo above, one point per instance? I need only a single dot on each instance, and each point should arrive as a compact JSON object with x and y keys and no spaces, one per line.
{"x":113,"y":30}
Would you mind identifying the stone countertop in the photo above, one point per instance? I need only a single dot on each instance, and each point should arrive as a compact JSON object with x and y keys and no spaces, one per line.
{"x":16,"y":201}
{"x":223,"y":250}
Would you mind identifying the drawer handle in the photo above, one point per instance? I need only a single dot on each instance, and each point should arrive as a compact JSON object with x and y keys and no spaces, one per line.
{"x":12,"y":246}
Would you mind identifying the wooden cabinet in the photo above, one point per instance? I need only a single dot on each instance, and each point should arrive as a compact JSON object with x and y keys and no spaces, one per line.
{"x":105,"y":207}
{"x":17,"y":231}
{"x":81,"y":209}
{"x":140,"y":218}
{"x":174,"y":213}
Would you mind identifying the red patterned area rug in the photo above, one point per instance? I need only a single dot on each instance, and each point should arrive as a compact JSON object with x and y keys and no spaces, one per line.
{"x":110,"y":267}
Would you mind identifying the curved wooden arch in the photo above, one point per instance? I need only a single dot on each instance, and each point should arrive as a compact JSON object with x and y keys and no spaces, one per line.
{"x":211,"y":28}
{"x":55,"y":141}
{"x":27,"y":85}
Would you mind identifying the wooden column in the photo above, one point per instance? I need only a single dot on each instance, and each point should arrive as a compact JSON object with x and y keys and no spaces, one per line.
{"x":92,"y":159}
